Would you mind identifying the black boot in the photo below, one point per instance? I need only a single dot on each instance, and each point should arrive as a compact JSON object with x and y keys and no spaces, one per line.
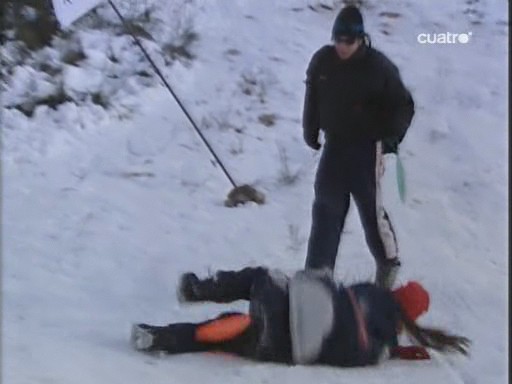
{"x":216,"y":289}
{"x":386,"y":273}
{"x":172,"y":338}
{"x":143,"y":337}
{"x":223,"y":287}
{"x":193,"y":289}
{"x":190,"y":288}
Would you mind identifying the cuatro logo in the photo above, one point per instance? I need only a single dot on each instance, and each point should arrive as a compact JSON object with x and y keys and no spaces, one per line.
{"x":444,"y":38}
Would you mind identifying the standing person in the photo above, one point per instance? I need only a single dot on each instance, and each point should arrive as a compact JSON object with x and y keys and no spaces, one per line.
{"x":305,"y":319}
{"x":355,"y":95}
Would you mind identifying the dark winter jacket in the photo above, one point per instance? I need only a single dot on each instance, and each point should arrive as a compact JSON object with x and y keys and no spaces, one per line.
{"x":362,"y":98}
{"x":312,"y":320}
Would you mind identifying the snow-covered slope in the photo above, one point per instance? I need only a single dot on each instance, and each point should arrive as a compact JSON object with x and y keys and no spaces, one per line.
{"x":102,"y":210}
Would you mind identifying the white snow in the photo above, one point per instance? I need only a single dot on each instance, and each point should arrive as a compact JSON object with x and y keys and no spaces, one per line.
{"x":103,"y":209}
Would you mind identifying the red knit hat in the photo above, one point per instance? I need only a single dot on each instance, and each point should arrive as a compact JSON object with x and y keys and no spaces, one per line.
{"x":413,"y":298}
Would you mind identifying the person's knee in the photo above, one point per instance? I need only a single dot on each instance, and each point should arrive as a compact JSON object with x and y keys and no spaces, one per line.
{"x":269,"y":284}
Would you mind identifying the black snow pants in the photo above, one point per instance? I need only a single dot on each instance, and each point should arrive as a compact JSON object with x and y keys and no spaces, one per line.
{"x":267,"y":337}
{"x":349,"y":169}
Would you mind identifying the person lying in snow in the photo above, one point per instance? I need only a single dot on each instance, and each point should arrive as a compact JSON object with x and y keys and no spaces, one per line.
{"x":305,"y":319}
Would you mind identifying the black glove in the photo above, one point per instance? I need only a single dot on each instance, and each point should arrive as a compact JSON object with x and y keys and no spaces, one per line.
{"x":312,"y":141}
{"x":390,"y":145}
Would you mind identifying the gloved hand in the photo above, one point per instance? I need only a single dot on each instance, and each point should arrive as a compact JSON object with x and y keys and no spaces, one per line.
{"x":411,"y":352}
{"x":312,"y":141}
{"x":390,"y":145}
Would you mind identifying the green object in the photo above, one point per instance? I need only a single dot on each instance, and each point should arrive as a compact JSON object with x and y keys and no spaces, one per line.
{"x":400,"y":177}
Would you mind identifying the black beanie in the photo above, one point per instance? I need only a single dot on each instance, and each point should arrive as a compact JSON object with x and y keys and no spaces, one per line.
{"x":349,"y":22}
